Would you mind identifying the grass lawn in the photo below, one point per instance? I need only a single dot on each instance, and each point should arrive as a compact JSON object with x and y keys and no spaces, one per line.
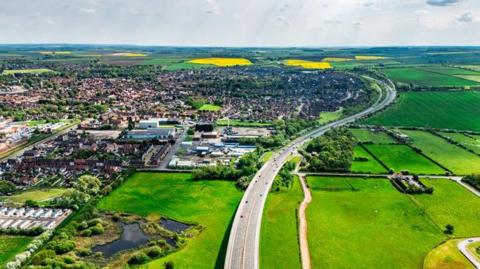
{"x":210,"y":107}
{"x":326,"y":117}
{"x":35,"y":195}
{"x":366,"y":223}
{"x":426,"y":77}
{"x":473,"y":248}
{"x":11,"y":246}
{"x":451,"y":156}
{"x":447,"y":256}
{"x":370,"y":166}
{"x":403,"y":158}
{"x":451,"y":204}
{"x":241,"y":123}
{"x":279,"y":247}
{"x":26,"y":71}
{"x":210,"y":203}
{"x":469,"y":141}
{"x":379,"y":137}
{"x":447,"y":110}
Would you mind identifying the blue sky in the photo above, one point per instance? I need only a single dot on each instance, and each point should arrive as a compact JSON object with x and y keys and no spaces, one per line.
{"x":242,"y":22}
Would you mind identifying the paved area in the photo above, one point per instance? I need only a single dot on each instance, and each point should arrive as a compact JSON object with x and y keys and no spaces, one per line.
{"x":463,"y":247}
{"x":243,"y":244}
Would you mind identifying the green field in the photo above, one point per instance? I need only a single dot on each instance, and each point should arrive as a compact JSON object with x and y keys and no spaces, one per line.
{"x":370,"y":166}
{"x":428,"y":77}
{"x":241,"y":123}
{"x":210,"y":107}
{"x":35,"y":195}
{"x":451,"y":156}
{"x":469,"y":141}
{"x":358,"y":223}
{"x":26,"y":71}
{"x":209,"y":203}
{"x":376,"y":137}
{"x":403,"y":158}
{"x":326,"y":117}
{"x":11,"y":246}
{"x":447,"y":110}
{"x":279,"y":246}
{"x":447,"y":256}
{"x":451,"y":204}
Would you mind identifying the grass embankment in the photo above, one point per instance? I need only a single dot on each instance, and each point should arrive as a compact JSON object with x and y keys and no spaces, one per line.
{"x":279,"y":247}
{"x":11,"y":246}
{"x":451,"y":156}
{"x":209,"y":203}
{"x":446,"y":110}
{"x":352,"y":222}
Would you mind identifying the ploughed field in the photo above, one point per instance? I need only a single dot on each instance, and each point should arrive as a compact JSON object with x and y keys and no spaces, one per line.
{"x":208,"y":203}
{"x":345,"y":213}
{"x":445,"y":110}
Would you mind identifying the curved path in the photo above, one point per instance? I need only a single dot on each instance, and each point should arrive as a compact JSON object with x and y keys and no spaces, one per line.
{"x":463,"y":247}
{"x":243,"y":244}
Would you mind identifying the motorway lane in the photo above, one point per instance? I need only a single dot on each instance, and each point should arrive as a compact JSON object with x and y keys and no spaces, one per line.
{"x":243,"y":244}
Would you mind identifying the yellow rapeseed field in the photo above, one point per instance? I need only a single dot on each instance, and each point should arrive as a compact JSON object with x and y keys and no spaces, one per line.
{"x":336,"y":59}
{"x":223,"y":62}
{"x":129,"y":54}
{"x":369,"y":57}
{"x":55,"y":52}
{"x":308,"y":64}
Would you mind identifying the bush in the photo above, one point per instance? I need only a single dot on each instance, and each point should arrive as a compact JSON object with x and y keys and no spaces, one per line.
{"x":42,"y":255}
{"x":154,"y":252}
{"x":169,"y":265}
{"x":449,"y":229}
{"x":473,"y":180}
{"x":138,"y":258}
{"x":97,"y":229}
{"x":61,"y":246}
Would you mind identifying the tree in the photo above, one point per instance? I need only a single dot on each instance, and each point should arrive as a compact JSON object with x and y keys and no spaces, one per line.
{"x":449,"y":229}
{"x":88,"y":184}
{"x":169,"y":265}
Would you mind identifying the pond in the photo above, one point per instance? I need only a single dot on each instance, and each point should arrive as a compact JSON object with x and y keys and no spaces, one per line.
{"x":174,"y":226}
{"x":132,"y":237}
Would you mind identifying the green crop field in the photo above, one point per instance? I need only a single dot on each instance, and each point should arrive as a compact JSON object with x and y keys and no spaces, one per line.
{"x":452,"y":204}
{"x":469,"y":141}
{"x":449,"y":70}
{"x":11,"y":246}
{"x":377,"y":137}
{"x":26,"y":71}
{"x":447,"y":110}
{"x":366,"y":223}
{"x":451,"y":156}
{"x":209,"y":203}
{"x":370,"y":166}
{"x":35,"y":195}
{"x":210,"y":107}
{"x":279,"y":246}
{"x":425,"y":77}
{"x":403,"y":158}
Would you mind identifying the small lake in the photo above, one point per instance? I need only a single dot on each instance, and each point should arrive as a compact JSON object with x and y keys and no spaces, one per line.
{"x":174,"y":226}
{"x":132,"y":237}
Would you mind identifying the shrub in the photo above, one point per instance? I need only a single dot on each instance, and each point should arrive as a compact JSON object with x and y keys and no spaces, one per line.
{"x":97,"y":229}
{"x":154,"y":252}
{"x":169,"y":265}
{"x":42,"y":255}
{"x":138,"y":258}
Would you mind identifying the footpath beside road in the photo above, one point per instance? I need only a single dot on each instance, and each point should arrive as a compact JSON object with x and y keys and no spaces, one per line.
{"x":463,"y":247}
{"x":303,"y":230}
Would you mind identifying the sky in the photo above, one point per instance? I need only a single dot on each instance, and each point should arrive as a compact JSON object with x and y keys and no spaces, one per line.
{"x":316,"y":23}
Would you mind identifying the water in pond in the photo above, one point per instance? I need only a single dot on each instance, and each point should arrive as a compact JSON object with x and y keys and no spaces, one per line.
{"x":174,"y":226}
{"x":132,"y":237}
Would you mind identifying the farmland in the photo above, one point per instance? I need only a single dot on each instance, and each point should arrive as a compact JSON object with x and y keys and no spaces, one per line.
{"x":11,"y":246}
{"x":210,"y":107}
{"x":376,"y":137}
{"x":346,"y":213}
{"x":447,"y":110}
{"x":129,"y":54}
{"x":209,"y":203}
{"x":222,"y":62}
{"x":436,"y":77}
{"x":369,"y":166}
{"x":278,"y":243}
{"x":469,"y":141}
{"x":26,"y":71}
{"x":451,"y":156}
{"x":403,"y":158}
{"x":308,"y":64}
{"x":369,"y":57}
